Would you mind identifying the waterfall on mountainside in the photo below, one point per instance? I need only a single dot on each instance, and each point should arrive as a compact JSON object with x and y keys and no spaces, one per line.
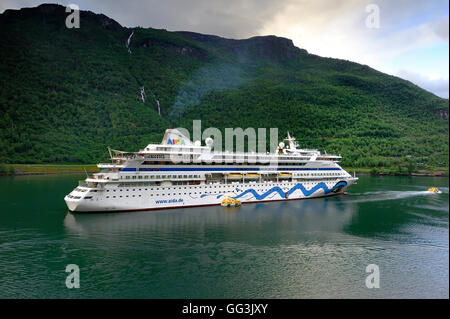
{"x":159,"y":110}
{"x":128,"y":42}
{"x":143,"y":96}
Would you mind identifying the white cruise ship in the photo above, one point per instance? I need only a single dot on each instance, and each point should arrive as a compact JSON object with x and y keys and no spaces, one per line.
{"x":179,"y":173}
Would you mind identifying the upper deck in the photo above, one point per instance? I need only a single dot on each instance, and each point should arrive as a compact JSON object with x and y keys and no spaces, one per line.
{"x":175,"y":149}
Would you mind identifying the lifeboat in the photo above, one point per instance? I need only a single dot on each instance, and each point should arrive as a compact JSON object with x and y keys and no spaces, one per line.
{"x":284,"y":175}
{"x":251,"y":176}
{"x":234,"y":176}
{"x":434,"y":190}
{"x":230,"y":202}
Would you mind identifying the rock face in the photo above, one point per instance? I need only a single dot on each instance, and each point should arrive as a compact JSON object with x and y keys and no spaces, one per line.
{"x":270,"y":47}
{"x":179,"y":49}
{"x":104,"y":21}
{"x":48,"y":8}
{"x":441,"y":113}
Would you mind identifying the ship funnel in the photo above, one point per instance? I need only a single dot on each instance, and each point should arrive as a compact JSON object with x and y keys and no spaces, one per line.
{"x":173,"y":137}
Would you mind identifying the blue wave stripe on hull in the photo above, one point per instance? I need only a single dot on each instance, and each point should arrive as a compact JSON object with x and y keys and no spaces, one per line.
{"x":298,"y":186}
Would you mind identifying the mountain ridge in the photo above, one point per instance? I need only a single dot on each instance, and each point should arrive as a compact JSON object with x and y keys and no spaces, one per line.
{"x":66,"y":94}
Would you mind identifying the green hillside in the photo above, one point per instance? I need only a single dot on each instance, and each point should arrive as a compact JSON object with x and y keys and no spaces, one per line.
{"x":66,"y":94}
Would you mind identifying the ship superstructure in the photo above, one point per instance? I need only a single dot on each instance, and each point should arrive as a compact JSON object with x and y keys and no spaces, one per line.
{"x":180,"y":173}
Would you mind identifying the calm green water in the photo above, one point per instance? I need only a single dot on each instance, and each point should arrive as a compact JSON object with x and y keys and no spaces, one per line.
{"x":315,"y":248}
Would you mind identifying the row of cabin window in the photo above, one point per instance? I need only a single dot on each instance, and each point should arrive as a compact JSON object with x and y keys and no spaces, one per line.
{"x":198,"y":176}
{"x":318,"y":174}
{"x":159,"y":176}
{"x":125,"y":196}
{"x":232,"y":162}
{"x":277,"y":167}
{"x":202,"y":187}
{"x":227,"y":157}
{"x":163,"y":188}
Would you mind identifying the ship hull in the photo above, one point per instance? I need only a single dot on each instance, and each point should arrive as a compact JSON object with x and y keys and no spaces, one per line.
{"x":171,"y":197}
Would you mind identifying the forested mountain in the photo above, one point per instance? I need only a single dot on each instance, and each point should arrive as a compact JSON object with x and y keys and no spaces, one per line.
{"x":66,"y":94}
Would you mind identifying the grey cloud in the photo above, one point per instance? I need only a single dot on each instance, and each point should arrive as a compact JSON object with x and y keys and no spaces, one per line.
{"x":441,"y":28}
{"x":232,"y":18}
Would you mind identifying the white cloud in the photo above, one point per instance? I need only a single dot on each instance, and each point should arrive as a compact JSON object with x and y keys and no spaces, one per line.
{"x":338,"y":30}
{"x":440,"y":27}
{"x":432,"y":82}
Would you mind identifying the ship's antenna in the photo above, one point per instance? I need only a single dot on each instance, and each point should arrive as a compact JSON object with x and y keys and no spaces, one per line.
{"x":87,"y":175}
{"x":110,"y":154}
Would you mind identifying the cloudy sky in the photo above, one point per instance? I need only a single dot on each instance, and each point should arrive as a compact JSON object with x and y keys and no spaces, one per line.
{"x":406,"y":38}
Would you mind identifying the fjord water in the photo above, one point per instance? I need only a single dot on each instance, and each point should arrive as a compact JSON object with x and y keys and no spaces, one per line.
{"x":316,"y":248}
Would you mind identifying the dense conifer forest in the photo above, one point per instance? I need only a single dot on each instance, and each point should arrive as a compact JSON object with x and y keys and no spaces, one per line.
{"x":67,"y":94}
